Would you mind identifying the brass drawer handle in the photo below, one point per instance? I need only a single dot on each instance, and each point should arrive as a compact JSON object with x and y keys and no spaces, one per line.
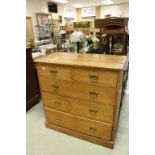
{"x":53,"y":72}
{"x":93,"y":77}
{"x":92,"y":111}
{"x":55,"y":87}
{"x":92,"y":129}
{"x":93,"y":94}
{"x":57,"y":103}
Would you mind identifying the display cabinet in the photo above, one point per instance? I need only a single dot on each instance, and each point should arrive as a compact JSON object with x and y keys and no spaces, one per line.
{"x":113,"y":35}
{"x":48,"y":27}
{"x":44,"y":25}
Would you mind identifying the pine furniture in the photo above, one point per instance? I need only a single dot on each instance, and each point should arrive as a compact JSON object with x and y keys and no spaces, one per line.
{"x":81,"y":94}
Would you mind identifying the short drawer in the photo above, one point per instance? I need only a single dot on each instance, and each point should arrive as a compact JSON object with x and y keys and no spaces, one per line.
{"x":95,"y":93}
{"x":89,"y":92}
{"x":97,"y":76}
{"x":80,"y":124}
{"x":54,"y":71}
{"x":93,"y":110}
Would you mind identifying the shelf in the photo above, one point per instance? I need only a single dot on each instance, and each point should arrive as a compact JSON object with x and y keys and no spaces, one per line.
{"x":41,"y":25}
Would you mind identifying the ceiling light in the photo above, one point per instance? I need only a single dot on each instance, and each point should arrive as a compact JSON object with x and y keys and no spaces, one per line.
{"x":107,"y":2}
{"x":77,"y":5}
{"x":60,"y":1}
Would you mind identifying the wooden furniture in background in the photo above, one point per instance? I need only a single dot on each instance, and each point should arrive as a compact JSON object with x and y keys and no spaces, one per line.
{"x":32,"y":86}
{"x":82,"y":99}
{"x":29,"y":30}
{"x":116,"y":36}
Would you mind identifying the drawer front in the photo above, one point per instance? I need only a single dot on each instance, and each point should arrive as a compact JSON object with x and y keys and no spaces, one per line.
{"x":82,"y":91}
{"x":93,"y":110}
{"x":96,"y":76}
{"x":80,"y":124}
{"x":54,"y":71}
{"x":56,"y":102}
{"x":95,"y":93}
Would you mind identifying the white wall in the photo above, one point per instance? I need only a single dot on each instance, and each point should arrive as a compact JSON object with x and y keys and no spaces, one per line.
{"x":34,"y":6}
{"x":121,"y":10}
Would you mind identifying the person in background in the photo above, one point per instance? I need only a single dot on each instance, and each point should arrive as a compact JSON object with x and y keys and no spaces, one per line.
{"x":93,"y":43}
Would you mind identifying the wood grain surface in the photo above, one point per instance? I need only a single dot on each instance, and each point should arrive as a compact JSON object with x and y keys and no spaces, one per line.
{"x":85,"y":60}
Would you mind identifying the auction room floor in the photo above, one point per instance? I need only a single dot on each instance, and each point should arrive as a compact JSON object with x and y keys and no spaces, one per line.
{"x":44,"y":141}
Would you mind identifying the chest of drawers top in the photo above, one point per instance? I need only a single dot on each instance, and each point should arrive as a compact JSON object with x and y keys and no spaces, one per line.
{"x":85,"y":60}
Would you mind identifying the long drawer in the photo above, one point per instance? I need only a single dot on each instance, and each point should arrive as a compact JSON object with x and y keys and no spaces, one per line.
{"x":80,"y":124}
{"x":93,"y":110}
{"x":79,"y":90}
{"x":96,"y":76}
{"x":55,"y":71}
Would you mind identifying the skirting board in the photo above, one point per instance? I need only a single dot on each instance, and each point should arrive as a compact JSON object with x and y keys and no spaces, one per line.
{"x":109,"y":144}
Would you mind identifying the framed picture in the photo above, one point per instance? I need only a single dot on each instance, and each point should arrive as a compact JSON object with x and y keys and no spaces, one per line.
{"x":69,"y":13}
{"x":89,"y":12}
{"x":81,"y":24}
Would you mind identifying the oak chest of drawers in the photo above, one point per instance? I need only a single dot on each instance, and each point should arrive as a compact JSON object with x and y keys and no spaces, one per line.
{"x":81,"y":94}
